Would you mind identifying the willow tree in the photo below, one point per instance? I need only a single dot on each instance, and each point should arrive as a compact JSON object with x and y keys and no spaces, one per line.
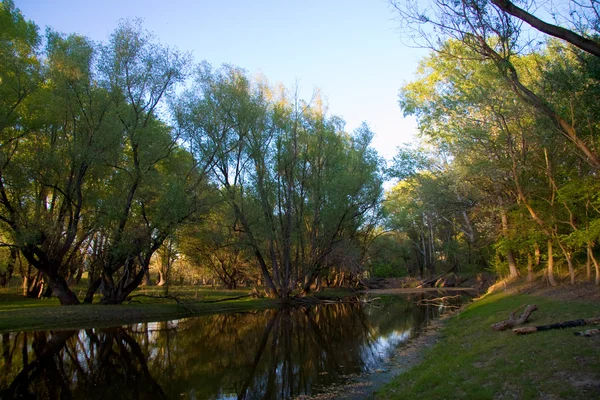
{"x":297,"y":183}
{"x":56,"y":152}
{"x":86,"y":161}
{"x":154,"y":184}
{"x":20,"y":77}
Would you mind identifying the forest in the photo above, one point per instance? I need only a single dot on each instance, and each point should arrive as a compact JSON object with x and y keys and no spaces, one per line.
{"x":130,"y":164}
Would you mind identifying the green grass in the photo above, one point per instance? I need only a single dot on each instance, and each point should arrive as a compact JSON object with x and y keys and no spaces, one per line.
{"x":18,"y":313}
{"x":472,"y":361}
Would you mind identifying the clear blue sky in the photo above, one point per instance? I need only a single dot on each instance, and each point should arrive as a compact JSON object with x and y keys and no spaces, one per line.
{"x":350,"y":49}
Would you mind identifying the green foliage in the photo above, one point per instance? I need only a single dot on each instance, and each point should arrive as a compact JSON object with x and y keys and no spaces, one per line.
{"x":389,"y":256}
{"x":524,"y":183}
{"x":433,"y":209}
{"x":19,"y":67}
{"x":94,"y":176}
{"x":297,"y":185}
{"x":89,"y":171}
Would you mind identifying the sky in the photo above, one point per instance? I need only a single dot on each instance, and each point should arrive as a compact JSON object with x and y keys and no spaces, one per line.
{"x":349,"y":50}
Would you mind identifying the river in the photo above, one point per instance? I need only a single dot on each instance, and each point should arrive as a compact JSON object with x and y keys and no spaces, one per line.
{"x":269,"y":354}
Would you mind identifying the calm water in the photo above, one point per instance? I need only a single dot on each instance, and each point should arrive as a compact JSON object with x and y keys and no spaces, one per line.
{"x":270,"y":354}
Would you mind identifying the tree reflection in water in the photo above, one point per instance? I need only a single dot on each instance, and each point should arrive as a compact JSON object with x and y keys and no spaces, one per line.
{"x":272,"y":354}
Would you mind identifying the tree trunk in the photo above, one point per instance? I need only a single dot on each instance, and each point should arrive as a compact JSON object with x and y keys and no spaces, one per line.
{"x":529,"y":268}
{"x":585,"y":44}
{"x":512,"y":321}
{"x":33,"y":285}
{"x":512,"y":265}
{"x":10,"y":267}
{"x":147,"y":279}
{"x":92,"y":288}
{"x":558,"y":325}
{"x":161,"y":278}
{"x":50,"y":268}
{"x":25,"y":286}
{"x":588,"y":265}
{"x":117,"y":294}
{"x":591,"y":253}
{"x":569,"y":259}
{"x":61,"y":290}
{"x":551,"y":264}
{"x":79,"y":275}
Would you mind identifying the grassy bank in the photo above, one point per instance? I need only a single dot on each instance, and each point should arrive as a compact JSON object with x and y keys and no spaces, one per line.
{"x":471,"y":361}
{"x":18,"y":313}
{"x":21,"y":314}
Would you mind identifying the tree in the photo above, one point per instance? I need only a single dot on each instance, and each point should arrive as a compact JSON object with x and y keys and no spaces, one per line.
{"x":433,"y":208}
{"x":492,"y":36}
{"x":586,"y":12}
{"x":390,"y":256}
{"x":216,"y":244}
{"x":139,"y":73}
{"x":90,"y":173}
{"x":55,"y":153}
{"x":467,"y":107}
{"x":460,"y":106}
{"x":297,"y":184}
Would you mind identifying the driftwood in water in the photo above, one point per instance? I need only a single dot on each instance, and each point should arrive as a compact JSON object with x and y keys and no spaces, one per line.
{"x":589,"y":332}
{"x":432,"y":281}
{"x":313,"y":300}
{"x":512,"y":321}
{"x":440,"y":302}
{"x":559,"y":325}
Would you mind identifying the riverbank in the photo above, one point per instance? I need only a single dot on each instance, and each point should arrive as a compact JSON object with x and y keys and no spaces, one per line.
{"x":22,"y":314}
{"x":148,"y":304}
{"x":469,"y":360}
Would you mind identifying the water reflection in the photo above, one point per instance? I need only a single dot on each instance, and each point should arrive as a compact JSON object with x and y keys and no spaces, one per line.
{"x":272,"y":354}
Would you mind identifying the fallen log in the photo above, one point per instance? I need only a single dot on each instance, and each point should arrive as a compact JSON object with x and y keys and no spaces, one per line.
{"x":229,"y":298}
{"x":558,"y":325}
{"x":167,"y":297}
{"x":431,"y":281}
{"x":512,"y":321}
{"x":589,"y":332}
